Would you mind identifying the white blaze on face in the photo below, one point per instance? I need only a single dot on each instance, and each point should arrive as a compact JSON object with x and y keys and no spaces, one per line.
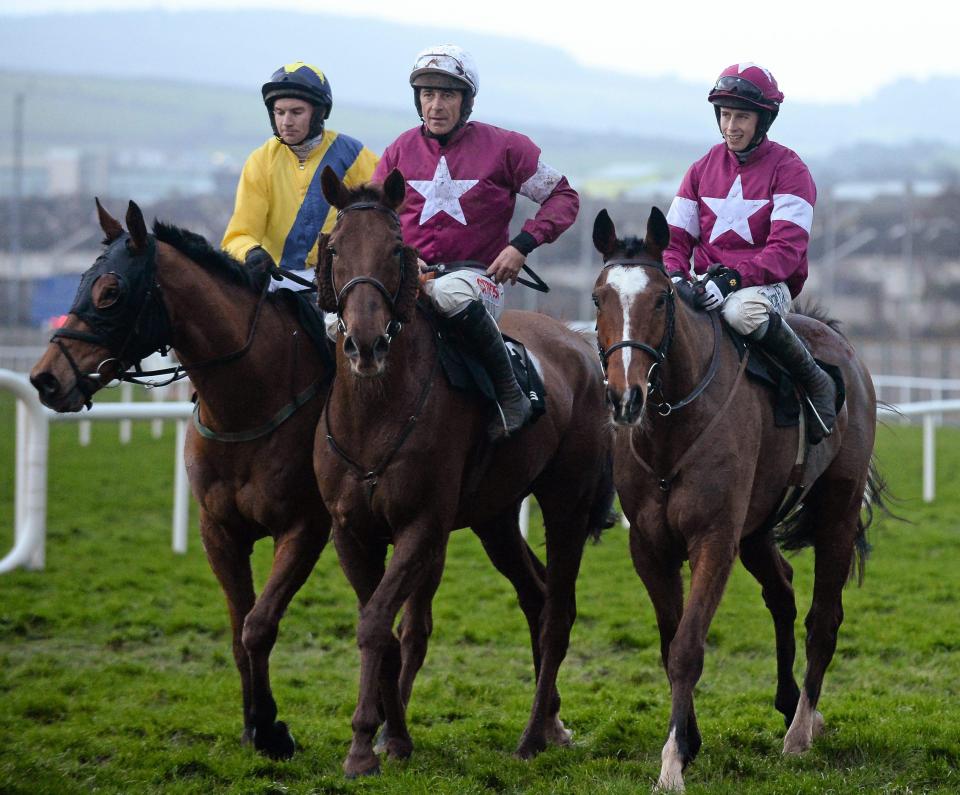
{"x":628,"y":283}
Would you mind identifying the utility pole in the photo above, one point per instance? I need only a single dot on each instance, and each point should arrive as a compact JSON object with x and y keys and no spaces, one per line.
{"x":17,"y":291}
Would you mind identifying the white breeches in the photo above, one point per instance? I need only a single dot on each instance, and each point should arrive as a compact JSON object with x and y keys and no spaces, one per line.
{"x":748,"y":308}
{"x":453,"y":291}
{"x":290,"y":284}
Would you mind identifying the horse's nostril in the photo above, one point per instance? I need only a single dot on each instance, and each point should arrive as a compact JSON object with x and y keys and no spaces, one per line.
{"x":350,"y":349}
{"x":381,"y":347}
{"x":46,"y":384}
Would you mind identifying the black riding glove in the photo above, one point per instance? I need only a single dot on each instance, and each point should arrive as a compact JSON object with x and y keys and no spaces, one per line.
{"x":710,"y":292}
{"x":258,"y":259}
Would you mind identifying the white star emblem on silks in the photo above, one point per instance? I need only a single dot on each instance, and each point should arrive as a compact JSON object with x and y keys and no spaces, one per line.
{"x":442,"y":193}
{"x":733,"y":212}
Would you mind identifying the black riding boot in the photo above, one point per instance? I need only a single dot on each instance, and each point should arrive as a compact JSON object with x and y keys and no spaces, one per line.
{"x":782,"y":342}
{"x":479,"y":330}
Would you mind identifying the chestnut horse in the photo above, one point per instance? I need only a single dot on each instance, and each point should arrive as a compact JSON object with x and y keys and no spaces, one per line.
{"x":251,"y":467}
{"x":704,"y":477}
{"x":402,"y":458}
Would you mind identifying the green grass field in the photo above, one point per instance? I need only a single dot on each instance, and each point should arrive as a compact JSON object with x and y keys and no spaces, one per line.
{"x":116,"y":674}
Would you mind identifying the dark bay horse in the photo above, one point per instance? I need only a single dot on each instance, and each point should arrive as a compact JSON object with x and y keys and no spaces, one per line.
{"x":251,"y":470}
{"x":701,"y":472}
{"x":255,"y":479}
{"x":402,"y":458}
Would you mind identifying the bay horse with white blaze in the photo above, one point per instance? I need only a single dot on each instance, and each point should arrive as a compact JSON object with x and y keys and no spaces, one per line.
{"x":261,"y":384}
{"x":705,"y":478}
{"x":402,"y":458}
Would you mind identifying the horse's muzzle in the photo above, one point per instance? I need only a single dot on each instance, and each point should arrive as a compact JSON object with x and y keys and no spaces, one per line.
{"x":367,"y":359}
{"x":626,"y":407}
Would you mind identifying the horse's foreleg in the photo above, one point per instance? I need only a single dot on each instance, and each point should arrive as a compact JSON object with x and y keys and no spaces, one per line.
{"x":294,"y":556}
{"x":710,"y":565}
{"x":834,"y":550}
{"x":415,"y":628}
{"x":763,"y":560}
{"x":566,"y":533}
{"x":416,"y":550}
{"x":229,"y":560}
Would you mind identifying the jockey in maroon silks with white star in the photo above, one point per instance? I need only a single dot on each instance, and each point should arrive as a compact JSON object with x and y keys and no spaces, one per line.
{"x":744,"y":212}
{"x":463,"y":178}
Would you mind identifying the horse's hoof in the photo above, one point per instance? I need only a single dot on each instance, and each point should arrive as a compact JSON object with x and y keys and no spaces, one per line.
{"x":247,"y":737}
{"x":818,"y":724}
{"x":399,"y":747}
{"x":356,"y":767}
{"x":669,"y":783}
{"x":530,"y":747}
{"x":558,"y":734}
{"x":275,"y":741}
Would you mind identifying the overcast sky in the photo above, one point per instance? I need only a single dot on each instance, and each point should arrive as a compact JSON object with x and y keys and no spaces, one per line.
{"x":819,"y":50}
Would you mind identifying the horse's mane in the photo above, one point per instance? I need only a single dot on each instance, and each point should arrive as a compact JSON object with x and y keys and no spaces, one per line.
{"x":632,"y":247}
{"x":197,"y":248}
{"x":817,"y":312}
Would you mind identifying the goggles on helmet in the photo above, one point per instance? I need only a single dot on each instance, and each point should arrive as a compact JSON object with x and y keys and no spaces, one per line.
{"x":731,"y":84}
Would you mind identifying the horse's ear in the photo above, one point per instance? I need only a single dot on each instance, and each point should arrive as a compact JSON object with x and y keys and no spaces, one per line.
{"x":333,"y":189}
{"x":604,"y":234}
{"x":394,"y":189}
{"x":658,"y":234}
{"x":137,"y":227}
{"x":110,"y":225}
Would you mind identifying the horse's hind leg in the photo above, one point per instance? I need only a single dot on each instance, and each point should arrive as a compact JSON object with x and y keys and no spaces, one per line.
{"x":513,"y":558}
{"x":567,"y":529}
{"x":229,"y":560}
{"x":763,"y":560}
{"x":294,"y":556}
{"x":835,"y":523}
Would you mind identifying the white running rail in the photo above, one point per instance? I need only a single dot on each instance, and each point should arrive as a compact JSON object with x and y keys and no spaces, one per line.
{"x":33,"y":426}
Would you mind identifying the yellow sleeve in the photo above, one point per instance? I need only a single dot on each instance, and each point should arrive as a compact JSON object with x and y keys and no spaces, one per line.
{"x":249,"y":221}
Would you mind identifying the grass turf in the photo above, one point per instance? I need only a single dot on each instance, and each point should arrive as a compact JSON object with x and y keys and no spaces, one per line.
{"x":116,"y":673}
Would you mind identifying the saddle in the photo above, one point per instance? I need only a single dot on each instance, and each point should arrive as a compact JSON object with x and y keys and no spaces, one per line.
{"x":464,"y":371}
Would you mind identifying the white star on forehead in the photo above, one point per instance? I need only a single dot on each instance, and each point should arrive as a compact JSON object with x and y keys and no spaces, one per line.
{"x":442,"y":193}
{"x":733,"y":212}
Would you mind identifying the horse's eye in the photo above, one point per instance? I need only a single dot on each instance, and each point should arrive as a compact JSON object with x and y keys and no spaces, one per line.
{"x":596,"y":300}
{"x":332,"y":251}
{"x":661,"y":302}
{"x":398,"y":252}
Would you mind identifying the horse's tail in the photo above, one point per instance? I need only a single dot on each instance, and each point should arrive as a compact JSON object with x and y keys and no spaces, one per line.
{"x":602,"y":513}
{"x":796,"y":532}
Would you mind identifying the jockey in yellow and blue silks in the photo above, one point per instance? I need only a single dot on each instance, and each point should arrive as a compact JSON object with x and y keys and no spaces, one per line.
{"x":280,"y":209}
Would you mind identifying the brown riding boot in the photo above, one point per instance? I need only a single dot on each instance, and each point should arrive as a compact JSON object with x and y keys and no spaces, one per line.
{"x":781,"y":341}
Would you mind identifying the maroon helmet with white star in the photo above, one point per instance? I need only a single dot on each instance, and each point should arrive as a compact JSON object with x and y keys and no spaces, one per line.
{"x":746,"y":86}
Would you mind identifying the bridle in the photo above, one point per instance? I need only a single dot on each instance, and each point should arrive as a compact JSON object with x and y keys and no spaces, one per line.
{"x":149,"y":330}
{"x":659,"y":354}
{"x":394,"y":326}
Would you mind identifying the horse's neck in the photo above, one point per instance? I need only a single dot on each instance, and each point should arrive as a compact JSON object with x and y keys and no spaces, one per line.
{"x":212,"y":318}
{"x":690,"y":353}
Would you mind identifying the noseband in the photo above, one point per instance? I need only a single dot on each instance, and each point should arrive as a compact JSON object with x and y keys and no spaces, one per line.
{"x":394,"y":326}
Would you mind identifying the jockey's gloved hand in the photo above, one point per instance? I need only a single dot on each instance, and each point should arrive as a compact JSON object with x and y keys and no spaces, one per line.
{"x":710,"y":292}
{"x":259,"y":260}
